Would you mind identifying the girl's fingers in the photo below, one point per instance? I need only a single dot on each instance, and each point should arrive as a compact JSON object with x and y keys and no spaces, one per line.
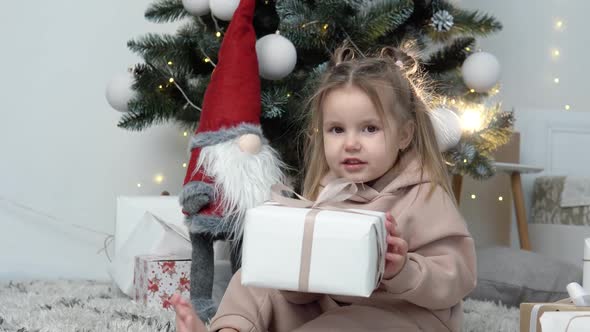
{"x":390,"y":218}
{"x":394,"y":259}
{"x":396,"y":245}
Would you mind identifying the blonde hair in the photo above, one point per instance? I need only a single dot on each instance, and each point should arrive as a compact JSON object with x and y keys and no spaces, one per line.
{"x":388,"y":78}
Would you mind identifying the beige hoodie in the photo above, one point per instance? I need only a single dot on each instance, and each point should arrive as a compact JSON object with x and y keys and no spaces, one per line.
{"x":439,"y":272}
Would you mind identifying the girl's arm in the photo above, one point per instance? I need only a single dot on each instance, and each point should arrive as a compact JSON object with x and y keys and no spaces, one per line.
{"x":440,"y":269}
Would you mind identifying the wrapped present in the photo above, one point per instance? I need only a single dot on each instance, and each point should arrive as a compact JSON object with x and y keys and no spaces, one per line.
{"x":131,"y":209}
{"x":540,"y":317}
{"x":157,"y":278}
{"x":315,"y":249}
{"x":151,"y":236}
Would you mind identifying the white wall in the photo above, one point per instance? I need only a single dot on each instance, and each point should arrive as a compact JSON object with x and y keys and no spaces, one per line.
{"x":524,"y":48}
{"x":62,"y":154}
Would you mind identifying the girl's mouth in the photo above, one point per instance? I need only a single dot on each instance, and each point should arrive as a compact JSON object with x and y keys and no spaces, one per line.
{"x":353,"y":164}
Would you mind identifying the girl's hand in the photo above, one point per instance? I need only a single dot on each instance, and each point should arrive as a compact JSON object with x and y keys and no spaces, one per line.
{"x":397,"y":249}
{"x":186,"y":318}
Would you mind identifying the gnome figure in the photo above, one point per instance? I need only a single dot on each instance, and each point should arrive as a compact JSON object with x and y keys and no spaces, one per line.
{"x":232,"y":166}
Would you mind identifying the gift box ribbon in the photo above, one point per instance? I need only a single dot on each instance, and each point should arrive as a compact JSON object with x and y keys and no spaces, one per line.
{"x":336,"y":191}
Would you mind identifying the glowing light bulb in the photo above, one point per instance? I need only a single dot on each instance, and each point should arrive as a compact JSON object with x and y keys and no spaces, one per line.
{"x":207,"y":60}
{"x":567,"y":107}
{"x":183,"y":165}
{"x":159,"y":178}
{"x":326,"y":26}
{"x":555,"y":52}
{"x":500,"y":198}
{"x":473,"y":196}
{"x":559,"y":25}
{"x":171,"y":80}
{"x":185,"y":134}
{"x":468,"y":49}
{"x":556,"y":80}
{"x":471,"y":120}
{"x":169,"y":63}
{"x":139,"y":185}
{"x":218,"y":34}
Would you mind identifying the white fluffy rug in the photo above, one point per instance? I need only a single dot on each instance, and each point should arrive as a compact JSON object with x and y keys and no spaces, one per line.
{"x":84,"y":306}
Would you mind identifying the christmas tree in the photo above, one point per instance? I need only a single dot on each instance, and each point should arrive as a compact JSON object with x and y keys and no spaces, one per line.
{"x":169,"y":85}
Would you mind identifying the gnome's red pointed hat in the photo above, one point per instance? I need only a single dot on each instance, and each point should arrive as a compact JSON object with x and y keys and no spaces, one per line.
{"x":231,"y":105}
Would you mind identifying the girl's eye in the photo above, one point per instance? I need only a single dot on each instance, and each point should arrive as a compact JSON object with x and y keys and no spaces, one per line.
{"x":336,"y":130}
{"x":371,"y":129}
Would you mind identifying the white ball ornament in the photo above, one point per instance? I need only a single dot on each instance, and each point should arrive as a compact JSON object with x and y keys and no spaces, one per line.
{"x":277,"y":56}
{"x":447,"y":127}
{"x":223,"y":9}
{"x":481,"y":71}
{"x":196,"y":7}
{"x":119,"y":91}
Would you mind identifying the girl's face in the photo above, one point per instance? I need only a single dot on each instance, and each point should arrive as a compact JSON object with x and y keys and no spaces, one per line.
{"x":355,"y":141}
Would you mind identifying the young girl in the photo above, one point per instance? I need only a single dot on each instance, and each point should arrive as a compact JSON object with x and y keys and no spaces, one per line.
{"x":369,"y":125}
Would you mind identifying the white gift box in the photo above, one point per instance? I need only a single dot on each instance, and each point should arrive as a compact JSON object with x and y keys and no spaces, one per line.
{"x":345,"y":256}
{"x":565,"y":321}
{"x":131,"y":209}
{"x":151,"y":236}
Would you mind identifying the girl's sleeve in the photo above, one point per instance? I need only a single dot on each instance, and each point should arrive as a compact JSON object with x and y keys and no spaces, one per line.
{"x":440,"y":269}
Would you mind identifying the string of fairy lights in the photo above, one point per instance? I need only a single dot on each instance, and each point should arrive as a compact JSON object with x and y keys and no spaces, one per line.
{"x":471,"y":119}
{"x":555,"y":52}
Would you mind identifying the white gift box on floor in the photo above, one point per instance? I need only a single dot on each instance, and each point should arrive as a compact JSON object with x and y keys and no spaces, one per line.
{"x":345,"y":256}
{"x":131,"y":209}
{"x":562,"y":321}
{"x":151,"y":236}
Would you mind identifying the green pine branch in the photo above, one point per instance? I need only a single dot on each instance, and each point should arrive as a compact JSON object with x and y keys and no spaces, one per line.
{"x":165,"y":11}
{"x":294,"y":12}
{"x":160,"y":47}
{"x":450,"y":56}
{"x":336,"y":11}
{"x":378,"y":19}
{"x":474,"y":23}
{"x":465,"y":23}
{"x":146,"y":111}
{"x":274,"y":101}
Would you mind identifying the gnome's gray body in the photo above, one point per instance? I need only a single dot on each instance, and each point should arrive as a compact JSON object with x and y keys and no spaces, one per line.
{"x":202,"y":200}
{"x":232,"y":166}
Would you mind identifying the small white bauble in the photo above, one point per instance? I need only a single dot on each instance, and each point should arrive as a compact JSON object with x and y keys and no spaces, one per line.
{"x":447,"y":127}
{"x":196,"y":7}
{"x":119,"y":91}
{"x":223,"y":9}
{"x":277,"y":56}
{"x":481,"y":71}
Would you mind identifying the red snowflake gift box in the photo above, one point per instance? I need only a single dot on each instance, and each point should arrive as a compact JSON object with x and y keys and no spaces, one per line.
{"x":157,"y":278}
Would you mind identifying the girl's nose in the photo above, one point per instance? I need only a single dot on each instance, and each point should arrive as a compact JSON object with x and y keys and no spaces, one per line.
{"x":352,"y":143}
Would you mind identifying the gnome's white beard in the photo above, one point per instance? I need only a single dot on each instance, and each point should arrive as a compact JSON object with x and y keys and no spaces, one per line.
{"x":242,"y":180}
